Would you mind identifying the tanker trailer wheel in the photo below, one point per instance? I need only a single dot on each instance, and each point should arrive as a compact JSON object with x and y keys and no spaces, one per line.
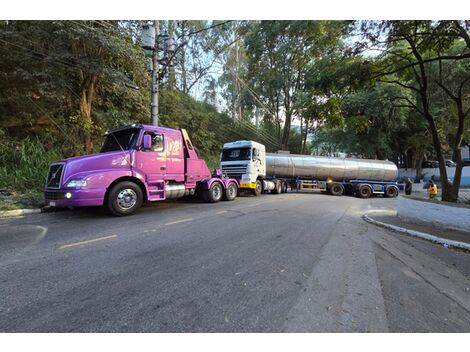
{"x":213,"y":194}
{"x":258,"y":188}
{"x":124,"y":198}
{"x":391,"y":192}
{"x":277,"y":187}
{"x":364,"y":191}
{"x":284,"y":187}
{"x":336,"y":189}
{"x":230,"y":192}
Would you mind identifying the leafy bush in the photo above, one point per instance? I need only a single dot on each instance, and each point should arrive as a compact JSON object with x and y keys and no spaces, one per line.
{"x":24,"y":163}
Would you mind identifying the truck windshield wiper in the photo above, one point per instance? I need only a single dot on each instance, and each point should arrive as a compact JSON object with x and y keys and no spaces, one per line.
{"x":117,"y":141}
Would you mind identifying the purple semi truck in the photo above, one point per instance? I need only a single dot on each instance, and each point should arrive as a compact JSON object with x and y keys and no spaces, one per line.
{"x":136,"y":164}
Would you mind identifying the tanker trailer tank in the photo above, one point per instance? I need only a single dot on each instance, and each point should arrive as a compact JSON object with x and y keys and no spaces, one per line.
{"x":325,"y":168}
{"x":336,"y":176}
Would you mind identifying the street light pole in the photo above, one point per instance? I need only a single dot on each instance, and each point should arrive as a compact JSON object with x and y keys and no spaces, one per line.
{"x":155,"y":74}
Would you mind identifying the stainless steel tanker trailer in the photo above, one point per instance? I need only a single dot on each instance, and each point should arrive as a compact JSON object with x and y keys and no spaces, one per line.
{"x":261,"y":172}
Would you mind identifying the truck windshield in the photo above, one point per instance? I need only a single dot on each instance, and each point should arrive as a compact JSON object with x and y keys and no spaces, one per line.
{"x":236,"y":154}
{"x":125,"y":139}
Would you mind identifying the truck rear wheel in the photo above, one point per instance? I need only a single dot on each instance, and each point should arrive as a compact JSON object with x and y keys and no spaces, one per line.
{"x":277,"y":187}
{"x":214,"y":193}
{"x":336,"y":189}
{"x":230,"y":192}
{"x":284,"y":187}
{"x":364,"y":191}
{"x":124,"y":198}
{"x":391,"y":192}
{"x":258,"y":188}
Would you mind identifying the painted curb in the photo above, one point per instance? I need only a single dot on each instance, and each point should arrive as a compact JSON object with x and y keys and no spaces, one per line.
{"x":18,"y":212}
{"x":422,"y":235}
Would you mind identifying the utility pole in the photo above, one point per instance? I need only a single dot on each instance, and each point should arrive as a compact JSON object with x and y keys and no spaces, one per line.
{"x":155,"y":77}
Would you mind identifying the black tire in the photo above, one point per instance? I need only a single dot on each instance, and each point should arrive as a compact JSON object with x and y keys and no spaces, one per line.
{"x":230,"y":193}
{"x":124,"y":198}
{"x":284,"y":187}
{"x":277,"y":187}
{"x":336,"y":189}
{"x":214,"y":193}
{"x":258,"y":189}
{"x":364,"y":191}
{"x":391,"y":192}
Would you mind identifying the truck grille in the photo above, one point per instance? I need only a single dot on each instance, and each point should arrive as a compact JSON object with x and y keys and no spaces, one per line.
{"x":54,"y":176}
{"x":235,"y":170}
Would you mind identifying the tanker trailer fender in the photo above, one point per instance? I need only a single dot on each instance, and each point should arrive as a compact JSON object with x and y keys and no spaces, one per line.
{"x":215,"y":189}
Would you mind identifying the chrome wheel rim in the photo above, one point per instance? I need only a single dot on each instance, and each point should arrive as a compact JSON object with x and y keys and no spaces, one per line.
{"x":126,"y":199}
{"x":216,"y":192}
{"x":258,"y":187}
{"x":231,"y":191}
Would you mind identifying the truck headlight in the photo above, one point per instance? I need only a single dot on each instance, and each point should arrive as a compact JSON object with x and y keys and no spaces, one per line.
{"x":76,"y":183}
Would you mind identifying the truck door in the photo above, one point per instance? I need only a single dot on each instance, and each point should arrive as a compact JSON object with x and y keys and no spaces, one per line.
{"x":153,"y":162}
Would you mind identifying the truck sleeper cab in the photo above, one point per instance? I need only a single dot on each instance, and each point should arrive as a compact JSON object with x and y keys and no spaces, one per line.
{"x":136,"y":164}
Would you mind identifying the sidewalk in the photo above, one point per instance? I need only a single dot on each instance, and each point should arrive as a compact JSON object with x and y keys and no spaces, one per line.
{"x":441,"y":236}
{"x":419,"y":191}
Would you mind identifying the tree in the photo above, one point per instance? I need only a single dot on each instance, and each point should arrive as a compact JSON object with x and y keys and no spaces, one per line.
{"x":414,"y":48}
{"x":68,"y":69}
{"x":279,"y":55}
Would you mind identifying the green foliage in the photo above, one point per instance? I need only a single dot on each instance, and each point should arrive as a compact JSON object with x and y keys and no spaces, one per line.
{"x":24,"y":163}
{"x":70,"y":78}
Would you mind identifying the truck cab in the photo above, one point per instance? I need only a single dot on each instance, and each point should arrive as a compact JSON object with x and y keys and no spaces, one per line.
{"x":136,"y":163}
{"x":245,"y":161}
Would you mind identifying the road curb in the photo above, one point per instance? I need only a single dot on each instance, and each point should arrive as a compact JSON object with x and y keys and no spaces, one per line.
{"x":422,"y":235}
{"x":18,"y":212}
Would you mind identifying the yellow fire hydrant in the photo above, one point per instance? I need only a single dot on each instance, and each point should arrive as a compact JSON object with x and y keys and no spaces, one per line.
{"x":432,"y":190}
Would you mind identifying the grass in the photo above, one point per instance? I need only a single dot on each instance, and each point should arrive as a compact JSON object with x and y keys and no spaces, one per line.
{"x":23,"y":169}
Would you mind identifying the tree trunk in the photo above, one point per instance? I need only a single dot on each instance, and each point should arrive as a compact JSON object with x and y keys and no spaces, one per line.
{"x":419,"y":162}
{"x":286,"y":131}
{"x":455,"y":187}
{"x":304,"y":143}
{"x":87,"y":94}
{"x":445,"y":186}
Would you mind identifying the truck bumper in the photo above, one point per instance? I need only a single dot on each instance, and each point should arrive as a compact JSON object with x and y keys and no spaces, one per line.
{"x":74,"y":197}
{"x":250,"y":185}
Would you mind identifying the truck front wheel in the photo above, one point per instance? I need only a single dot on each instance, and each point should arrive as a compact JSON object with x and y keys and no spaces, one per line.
{"x":258,"y":188}
{"x":124,"y":198}
{"x":214,"y":193}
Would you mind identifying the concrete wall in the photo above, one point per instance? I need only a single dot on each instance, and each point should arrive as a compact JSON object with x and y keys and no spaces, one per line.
{"x":434,"y":213}
{"x":434,"y":172}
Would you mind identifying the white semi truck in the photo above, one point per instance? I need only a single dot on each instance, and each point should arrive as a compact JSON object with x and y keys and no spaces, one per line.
{"x":258,"y":171}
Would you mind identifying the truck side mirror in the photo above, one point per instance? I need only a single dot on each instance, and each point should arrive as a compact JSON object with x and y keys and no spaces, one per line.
{"x":147,"y":143}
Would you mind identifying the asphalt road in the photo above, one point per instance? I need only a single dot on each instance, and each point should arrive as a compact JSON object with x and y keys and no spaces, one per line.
{"x":276,"y":263}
